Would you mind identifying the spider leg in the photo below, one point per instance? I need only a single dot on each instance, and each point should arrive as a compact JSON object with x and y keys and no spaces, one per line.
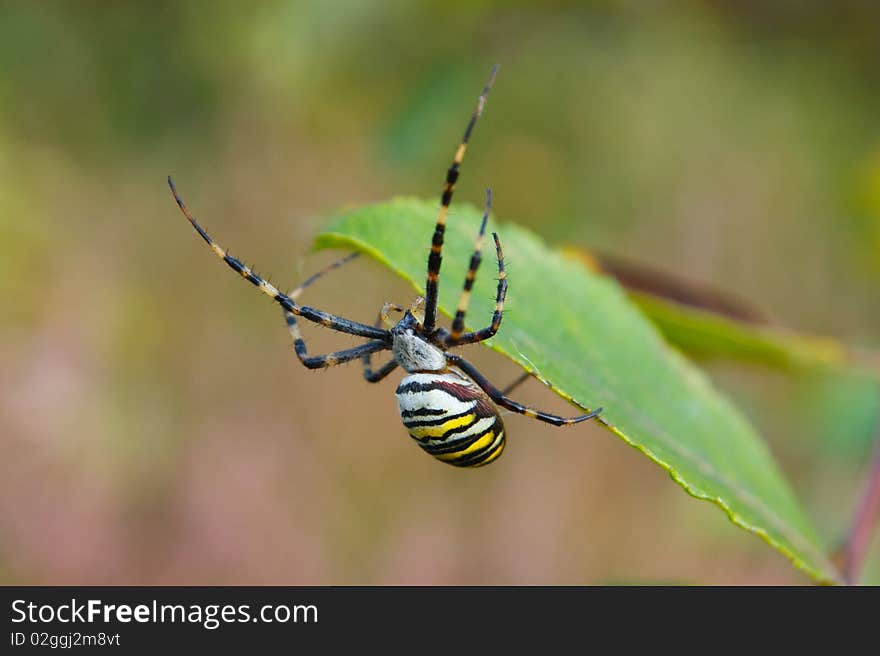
{"x":311,"y":314}
{"x":435,"y":258}
{"x":486,"y":333}
{"x":375,"y":376}
{"x":294,"y":293}
{"x":331,"y":359}
{"x":476,"y":258}
{"x":519,"y":381}
{"x":499,"y":397}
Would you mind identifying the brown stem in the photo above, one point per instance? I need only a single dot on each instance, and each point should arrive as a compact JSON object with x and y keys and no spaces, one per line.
{"x":862,"y":529}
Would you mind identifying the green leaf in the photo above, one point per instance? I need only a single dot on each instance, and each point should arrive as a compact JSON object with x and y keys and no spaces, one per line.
{"x":583,"y":337}
{"x":704,"y":333}
{"x":705,"y":322}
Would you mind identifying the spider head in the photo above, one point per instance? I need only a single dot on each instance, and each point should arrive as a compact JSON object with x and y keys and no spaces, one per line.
{"x":411,"y":350}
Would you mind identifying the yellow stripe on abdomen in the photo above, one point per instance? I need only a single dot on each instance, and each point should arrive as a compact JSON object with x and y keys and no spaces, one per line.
{"x":436,"y":432}
{"x":496,"y":451}
{"x":480,"y":444}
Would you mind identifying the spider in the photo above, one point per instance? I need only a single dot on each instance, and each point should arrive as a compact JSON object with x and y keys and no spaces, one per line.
{"x":445,"y":403}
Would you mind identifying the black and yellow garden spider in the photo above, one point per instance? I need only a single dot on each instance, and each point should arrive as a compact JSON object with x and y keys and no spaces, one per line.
{"x":448,"y":407}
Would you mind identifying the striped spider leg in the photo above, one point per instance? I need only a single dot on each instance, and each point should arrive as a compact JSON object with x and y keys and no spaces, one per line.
{"x":500,"y":398}
{"x":523,"y":377}
{"x":380,"y":338}
{"x":366,"y":356}
{"x":299,"y":345}
{"x":435,"y":258}
{"x":457,"y":337}
{"x":370,"y":375}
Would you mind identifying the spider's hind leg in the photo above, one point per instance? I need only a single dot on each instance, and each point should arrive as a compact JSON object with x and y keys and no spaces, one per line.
{"x":501,"y":399}
{"x":516,"y":383}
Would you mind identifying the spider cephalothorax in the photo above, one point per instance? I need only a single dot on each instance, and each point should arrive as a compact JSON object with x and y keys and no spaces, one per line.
{"x":412,"y":349}
{"x":446,"y":405}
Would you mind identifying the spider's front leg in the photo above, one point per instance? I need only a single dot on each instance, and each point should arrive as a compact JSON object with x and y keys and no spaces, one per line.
{"x":456,"y":338}
{"x":435,"y":257}
{"x":499,"y":398}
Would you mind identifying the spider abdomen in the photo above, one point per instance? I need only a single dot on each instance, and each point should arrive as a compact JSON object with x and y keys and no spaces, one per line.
{"x":450,"y":417}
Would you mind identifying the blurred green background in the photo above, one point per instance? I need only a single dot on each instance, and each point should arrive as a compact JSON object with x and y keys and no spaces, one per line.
{"x":154,"y":424}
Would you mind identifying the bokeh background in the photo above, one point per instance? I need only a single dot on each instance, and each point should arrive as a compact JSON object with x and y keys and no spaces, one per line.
{"x":155,"y":426}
